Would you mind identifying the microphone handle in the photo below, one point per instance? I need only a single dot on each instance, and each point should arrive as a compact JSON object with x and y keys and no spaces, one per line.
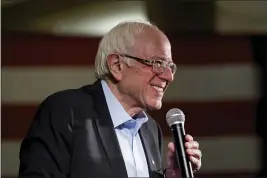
{"x":183,"y":161}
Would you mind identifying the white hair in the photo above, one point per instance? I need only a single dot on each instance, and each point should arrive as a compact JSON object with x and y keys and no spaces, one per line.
{"x":120,"y":39}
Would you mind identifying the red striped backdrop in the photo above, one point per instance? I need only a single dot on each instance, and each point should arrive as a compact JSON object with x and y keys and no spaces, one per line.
{"x":208,"y":116}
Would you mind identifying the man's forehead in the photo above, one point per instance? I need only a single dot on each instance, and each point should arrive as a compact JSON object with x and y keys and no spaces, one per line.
{"x":162,"y":57}
{"x":150,"y":51}
{"x":162,"y":52}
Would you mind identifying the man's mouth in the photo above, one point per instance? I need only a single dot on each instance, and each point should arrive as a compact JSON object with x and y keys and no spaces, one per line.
{"x":158,"y":88}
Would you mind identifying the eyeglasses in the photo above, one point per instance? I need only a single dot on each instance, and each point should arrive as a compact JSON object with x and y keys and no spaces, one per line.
{"x":158,"y":65}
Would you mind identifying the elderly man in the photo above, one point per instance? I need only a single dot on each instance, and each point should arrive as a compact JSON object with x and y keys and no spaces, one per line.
{"x":102,"y":130}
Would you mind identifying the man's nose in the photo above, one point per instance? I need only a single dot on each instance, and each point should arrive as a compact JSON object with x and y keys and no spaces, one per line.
{"x":167,"y":74}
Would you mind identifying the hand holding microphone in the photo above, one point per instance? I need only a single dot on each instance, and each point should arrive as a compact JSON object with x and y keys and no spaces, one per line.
{"x":184,"y":155}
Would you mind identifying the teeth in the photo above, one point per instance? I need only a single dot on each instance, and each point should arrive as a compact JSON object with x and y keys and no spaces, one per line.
{"x":157,"y":88}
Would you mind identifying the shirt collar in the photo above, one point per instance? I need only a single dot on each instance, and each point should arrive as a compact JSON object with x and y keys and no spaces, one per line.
{"x":117,"y":112}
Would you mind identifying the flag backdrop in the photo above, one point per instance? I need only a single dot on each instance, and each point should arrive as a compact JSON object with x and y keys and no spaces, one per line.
{"x":215,"y":85}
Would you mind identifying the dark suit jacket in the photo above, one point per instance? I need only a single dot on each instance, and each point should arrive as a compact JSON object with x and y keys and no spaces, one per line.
{"x":72,"y":135}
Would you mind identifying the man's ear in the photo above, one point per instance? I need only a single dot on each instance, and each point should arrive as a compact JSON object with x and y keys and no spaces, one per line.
{"x":115,"y":66}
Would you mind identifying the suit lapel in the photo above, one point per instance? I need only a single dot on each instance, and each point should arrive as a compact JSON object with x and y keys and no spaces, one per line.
{"x":152,"y":149}
{"x":107,"y":132}
{"x":149,"y":148}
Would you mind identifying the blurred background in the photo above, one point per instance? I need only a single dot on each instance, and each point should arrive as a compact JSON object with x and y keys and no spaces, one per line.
{"x":220,"y":48}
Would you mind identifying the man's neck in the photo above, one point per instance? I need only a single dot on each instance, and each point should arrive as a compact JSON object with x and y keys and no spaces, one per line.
{"x":129,"y":108}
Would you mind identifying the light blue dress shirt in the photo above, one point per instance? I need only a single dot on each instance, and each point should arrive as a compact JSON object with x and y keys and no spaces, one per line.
{"x":126,"y":129}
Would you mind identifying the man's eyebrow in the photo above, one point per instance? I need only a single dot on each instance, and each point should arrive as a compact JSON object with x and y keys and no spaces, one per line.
{"x":161,"y":58}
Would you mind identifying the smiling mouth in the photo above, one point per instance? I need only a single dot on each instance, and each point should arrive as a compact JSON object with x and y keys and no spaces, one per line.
{"x":159,"y":89}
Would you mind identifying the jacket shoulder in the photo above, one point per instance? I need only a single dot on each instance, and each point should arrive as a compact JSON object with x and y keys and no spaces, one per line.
{"x":68,"y":97}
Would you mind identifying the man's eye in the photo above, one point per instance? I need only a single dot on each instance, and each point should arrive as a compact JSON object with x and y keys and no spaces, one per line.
{"x":158,"y":63}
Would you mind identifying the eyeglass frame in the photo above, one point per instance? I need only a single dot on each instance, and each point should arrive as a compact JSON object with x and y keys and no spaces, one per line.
{"x":151,"y":62}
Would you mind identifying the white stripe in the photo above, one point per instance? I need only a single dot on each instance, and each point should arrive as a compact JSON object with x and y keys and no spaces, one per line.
{"x":220,"y":154}
{"x":241,"y":17}
{"x":195,"y":83}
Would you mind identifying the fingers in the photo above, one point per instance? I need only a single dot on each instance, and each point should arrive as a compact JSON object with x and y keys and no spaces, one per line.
{"x":195,"y":153}
{"x":189,"y":145}
{"x":192,"y":145}
{"x":192,"y":151}
{"x":189,"y":138}
{"x":196,"y":163}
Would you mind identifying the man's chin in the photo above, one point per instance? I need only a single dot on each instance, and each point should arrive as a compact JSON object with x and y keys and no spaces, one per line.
{"x":155,"y":106}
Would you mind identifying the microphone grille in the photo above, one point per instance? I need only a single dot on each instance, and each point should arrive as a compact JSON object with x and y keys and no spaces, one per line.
{"x":174,"y":115}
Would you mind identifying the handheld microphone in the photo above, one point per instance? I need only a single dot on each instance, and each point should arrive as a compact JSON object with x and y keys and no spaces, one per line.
{"x":175,"y":119}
